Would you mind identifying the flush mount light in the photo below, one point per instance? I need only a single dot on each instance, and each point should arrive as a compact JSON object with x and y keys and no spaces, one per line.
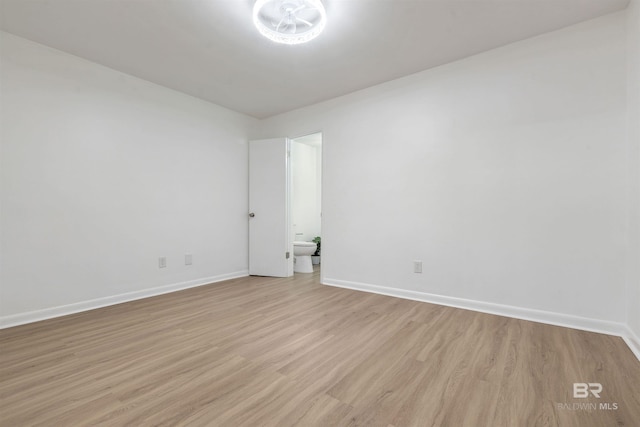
{"x":289,"y":21}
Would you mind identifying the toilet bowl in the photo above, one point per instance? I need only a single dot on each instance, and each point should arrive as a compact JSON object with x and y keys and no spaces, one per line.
{"x":302,"y":252}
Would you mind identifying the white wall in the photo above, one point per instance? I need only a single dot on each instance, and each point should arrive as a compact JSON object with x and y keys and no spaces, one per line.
{"x":305,"y":205}
{"x":502,"y":172}
{"x":633,"y":258}
{"x":103,"y":173}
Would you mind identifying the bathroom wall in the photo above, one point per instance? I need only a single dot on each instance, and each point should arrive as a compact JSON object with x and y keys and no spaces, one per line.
{"x":504,"y":173}
{"x":306,"y":191}
{"x":101,"y":174}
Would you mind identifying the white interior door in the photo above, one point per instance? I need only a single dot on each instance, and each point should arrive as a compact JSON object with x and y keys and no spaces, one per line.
{"x":270,"y":245}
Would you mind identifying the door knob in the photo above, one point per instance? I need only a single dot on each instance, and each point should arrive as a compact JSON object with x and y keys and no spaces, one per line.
{"x":251,"y":215}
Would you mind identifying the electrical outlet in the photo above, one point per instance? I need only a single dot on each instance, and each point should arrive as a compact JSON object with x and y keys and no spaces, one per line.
{"x":188,"y":259}
{"x":417,"y":266}
{"x":162,"y":262}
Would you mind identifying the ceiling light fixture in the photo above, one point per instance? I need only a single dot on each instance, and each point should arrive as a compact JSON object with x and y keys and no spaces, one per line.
{"x":289,"y":21}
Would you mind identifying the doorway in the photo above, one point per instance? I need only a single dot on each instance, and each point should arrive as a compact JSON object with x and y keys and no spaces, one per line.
{"x":306,"y":197}
{"x":285,"y":187}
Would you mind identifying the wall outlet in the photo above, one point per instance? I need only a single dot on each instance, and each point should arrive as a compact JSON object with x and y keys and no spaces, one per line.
{"x":417,"y":266}
{"x":162,"y":262}
{"x":188,"y":259}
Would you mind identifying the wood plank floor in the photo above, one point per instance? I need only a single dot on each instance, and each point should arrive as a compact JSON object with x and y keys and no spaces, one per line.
{"x":279,"y":352}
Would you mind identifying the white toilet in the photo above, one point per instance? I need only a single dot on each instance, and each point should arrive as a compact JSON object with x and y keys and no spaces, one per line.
{"x":302,"y":252}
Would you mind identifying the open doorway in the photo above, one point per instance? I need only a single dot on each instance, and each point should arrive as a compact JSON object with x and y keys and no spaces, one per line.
{"x":306,"y":202}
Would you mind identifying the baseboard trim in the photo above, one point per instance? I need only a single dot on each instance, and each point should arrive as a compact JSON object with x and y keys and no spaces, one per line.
{"x":632,"y":341}
{"x":540,"y":316}
{"x":63,"y":310}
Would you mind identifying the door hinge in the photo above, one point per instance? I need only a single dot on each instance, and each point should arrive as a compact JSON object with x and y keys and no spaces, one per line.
{"x":287,"y":255}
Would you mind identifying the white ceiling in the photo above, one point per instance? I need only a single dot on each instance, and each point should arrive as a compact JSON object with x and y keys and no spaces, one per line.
{"x":211,"y":50}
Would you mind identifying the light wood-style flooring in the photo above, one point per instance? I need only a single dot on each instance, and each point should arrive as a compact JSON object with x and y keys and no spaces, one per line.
{"x":281,"y":352}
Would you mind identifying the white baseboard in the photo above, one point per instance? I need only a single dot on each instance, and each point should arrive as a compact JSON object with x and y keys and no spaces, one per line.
{"x":63,"y":310}
{"x":551,"y":318}
{"x":632,"y":341}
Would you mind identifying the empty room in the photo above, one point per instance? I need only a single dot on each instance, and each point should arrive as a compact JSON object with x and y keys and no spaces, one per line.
{"x":320,"y":213}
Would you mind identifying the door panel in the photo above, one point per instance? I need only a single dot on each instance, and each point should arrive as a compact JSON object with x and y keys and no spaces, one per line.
{"x":269,"y":240}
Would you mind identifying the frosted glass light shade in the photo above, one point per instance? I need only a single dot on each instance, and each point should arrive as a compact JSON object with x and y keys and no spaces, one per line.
{"x":289,"y":21}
